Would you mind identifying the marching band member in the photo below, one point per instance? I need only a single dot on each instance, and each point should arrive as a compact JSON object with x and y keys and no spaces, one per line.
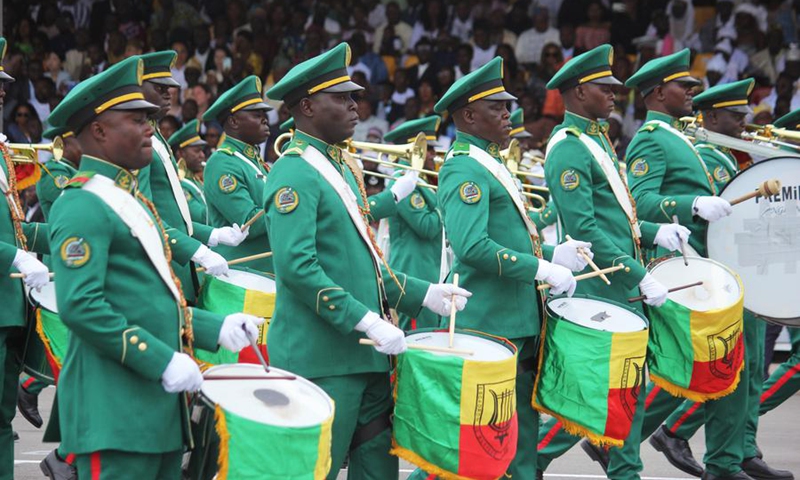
{"x":189,"y":147}
{"x":333,"y":287}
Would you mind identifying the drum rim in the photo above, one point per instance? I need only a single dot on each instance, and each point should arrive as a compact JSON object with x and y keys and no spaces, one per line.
{"x":29,"y":295}
{"x":503,"y":341}
{"x":587,"y":296}
{"x":775,"y":320}
{"x":735,"y":275}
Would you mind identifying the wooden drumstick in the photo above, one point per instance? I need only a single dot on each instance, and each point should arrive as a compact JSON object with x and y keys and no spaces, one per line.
{"x":253,"y":219}
{"x":584,"y":276}
{"x":683,"y":244}
{"x":429,"y":348}
{"x":674,"y":289}
{"x":766,"y":189}
{"x":22,"y":275}
{"x":452,"y":330}
{"x":254,"y":346}
{"x":237,"y":261}
{"x":594,"y":266}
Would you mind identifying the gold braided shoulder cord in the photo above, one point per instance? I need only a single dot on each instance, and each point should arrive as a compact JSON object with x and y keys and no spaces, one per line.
{"x":12,"y":196}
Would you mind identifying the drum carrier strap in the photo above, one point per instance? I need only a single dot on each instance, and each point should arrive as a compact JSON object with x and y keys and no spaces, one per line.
{"x":371,"y":429}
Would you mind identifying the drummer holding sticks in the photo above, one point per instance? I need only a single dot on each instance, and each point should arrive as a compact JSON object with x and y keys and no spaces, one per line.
{"x":333,"y":285}
{"x":723,"y":109}
{"x":587,"y":184}
{"x":132,"y":333}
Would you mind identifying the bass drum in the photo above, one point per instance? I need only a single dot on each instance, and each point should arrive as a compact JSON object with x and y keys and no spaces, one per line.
{"x":760,"y":240}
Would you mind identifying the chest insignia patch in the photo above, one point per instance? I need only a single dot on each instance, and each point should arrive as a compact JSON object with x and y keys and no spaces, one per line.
{"x":75,"y":252}
{"x":227,"y":183}
{"x":470,"y":193}
{"x":286,"y":200}
{"x":639,"y":167}
{"x":570,"y":180}
{"x":417,"y":201}
{"x":721,"y":175}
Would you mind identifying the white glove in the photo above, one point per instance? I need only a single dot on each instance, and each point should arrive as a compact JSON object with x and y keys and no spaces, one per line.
{"x":3,"y":138}
{"x":671,"y":236}
{"x":230,"y":236}
{"x":405,"y":184}
{"x":559,"y":278}
{"x":36,"y":273}
{"x":237,"y":329}
{"x":439,"y":295}
{"x":654,"y":290}
{"x":181,"y":375}
{"x":711,"y":208}
{"x":566,"y":255}
{"x":390,"y":339}
{"x":214,"y":263}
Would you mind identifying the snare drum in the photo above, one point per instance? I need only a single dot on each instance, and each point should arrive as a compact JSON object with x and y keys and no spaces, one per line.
{"x":455,"y":415}
{"x":591,"y":367}
{"x":269,"y":428}
{"x":48,"y":337}
{"x":240,"y":291}
{"x":696,"y":342}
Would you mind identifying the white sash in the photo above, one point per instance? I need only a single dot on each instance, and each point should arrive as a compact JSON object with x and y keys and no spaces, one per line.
{"x":666,"y":126}
{"x":133,"y":214}
{"x":259,"y":174}
{"x":174,"y":182}
{"x":197,"y":191}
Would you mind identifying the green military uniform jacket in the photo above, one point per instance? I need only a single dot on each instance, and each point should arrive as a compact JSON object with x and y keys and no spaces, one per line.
{"x":415,"y":236}
{"x":326,"y":278}
{"x":56,"y":176}
{"x":494,"y":253}
{"x":233,"y":184}
{"x":666,"y":174}
{"x":193,"y":189}
{"x":720,"y":163}
{"x":125,"y":326}
{"x":589,"y":210}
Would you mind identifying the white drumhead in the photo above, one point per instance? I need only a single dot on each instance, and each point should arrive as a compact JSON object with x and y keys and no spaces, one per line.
{"x":484,"y":350}
{"x":720,"y":287}
{"x":249,"y":281}
{"x":596,"y":314}
{"x":760,"y":240}
{"x":46,"y":297}
{"x":307,"y":405}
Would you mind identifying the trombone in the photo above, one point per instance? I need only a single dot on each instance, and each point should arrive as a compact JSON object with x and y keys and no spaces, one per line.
{"x":772,"y":134}
{"x":415,"y":152}
{"x":695,"y":131}
{"x":28,"y":152}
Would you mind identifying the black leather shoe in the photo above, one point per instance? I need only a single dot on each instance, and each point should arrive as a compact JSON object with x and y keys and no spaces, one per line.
{"x":55,"y":468}
{"x":677,"y":451}
{"x":598,"y":454}
{"x":539,"y":475}
{"x":758,"y":469}
{"x":28,"y":405}
{"x":735,"y":476}
{"x":16,"y":436}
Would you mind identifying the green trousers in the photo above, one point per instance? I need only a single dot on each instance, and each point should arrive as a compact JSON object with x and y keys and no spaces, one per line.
{"x":690,"y":416}
{"x":31,"y":384}
{"x":785,"y":380}
{"x":117,"y":465}
{"x":362,"y":401}
{"x":10,"y":342}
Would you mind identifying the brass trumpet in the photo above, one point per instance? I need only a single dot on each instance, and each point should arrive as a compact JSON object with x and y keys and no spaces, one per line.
{"x":28,"y":152}
{"x":512,"y":155}
{"x":414,"y":151}
{"x":282,"y":138}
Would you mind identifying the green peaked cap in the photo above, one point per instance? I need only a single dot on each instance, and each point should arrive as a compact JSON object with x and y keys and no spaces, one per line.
{"x":117,"y":88}
{"x":485,"y":83}
{"x":245,"y":95}
{"x":4,"y":77}
{"x":730,"y":96}
{"x":157,"y":67}
{"x":407,"y":131}
{"x":790,"y":121}
{"x":286,"y":126}
{"x":324,"y":73}
{"x":593,"y":66}
{"x":187,"y":136}
{"x":518,"y":125}
{"x":661,"y":70}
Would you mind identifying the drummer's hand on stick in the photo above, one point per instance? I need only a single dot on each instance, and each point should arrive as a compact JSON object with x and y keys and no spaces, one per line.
{"x":568,"y":254}
{"x":390,"y":339}
{"x":654,"y":291}
{"x":559,"y":278}
{"x":35,"y":273}
{"x":181,"y":375}
{"x":672,"y":236}
{"x":405,"y":185}
{"x":439,"y":297}
{"x":230,"y":236}
{"x":232,"y":335}
{"x":213,"y":263}
{"x":711,"y":209}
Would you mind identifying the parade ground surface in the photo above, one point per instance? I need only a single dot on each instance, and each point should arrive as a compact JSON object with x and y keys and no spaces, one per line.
{"x":778,"y":437}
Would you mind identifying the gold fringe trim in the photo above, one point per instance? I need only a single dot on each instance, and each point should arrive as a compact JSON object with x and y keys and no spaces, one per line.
{"x":579,"y":430}
{"x":224,"y":440}
{"x":677,"y":391}
{"x":430,"y":468}
{"x":45,"y":340}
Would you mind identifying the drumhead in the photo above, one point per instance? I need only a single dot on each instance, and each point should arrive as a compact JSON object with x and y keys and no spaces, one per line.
{"x":760,"y":240}
{"x":249,"y":281}
{"x":307,"y":405}
{"x":484,"y":350}
{"x":720,"y":289}
{"x":596,"y":314}
{"x":45,"y":298}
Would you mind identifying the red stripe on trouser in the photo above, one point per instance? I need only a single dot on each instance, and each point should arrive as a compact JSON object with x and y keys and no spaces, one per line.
{"x":70,"y":459}
{"x":413,"y":324}
{"x":781,"y":381}
{"x":95,"y":462}
{"x":685,"y":416}
{"x":652,"y":396}
{"x":27,"y":383}
{"x":431,"y":477}
{"x":550,"y":434}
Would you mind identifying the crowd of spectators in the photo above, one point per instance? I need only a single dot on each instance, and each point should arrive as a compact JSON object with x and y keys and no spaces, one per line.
{"x":405,"y":53}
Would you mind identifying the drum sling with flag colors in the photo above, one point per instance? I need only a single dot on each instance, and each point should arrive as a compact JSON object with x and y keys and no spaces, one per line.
{"x":696,"y":342}
{"x":240,"y":291}
{"x":48,"y":337}
{"x":455,"y":415}
{"x":591,"y":367}
{"x":269,"y":429}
